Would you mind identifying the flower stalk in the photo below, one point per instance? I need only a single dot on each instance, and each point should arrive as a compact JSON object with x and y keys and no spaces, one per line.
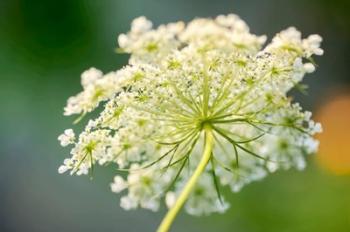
{"x":174,"y":210}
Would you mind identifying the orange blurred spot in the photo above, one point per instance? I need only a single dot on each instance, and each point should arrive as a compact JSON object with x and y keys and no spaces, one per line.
{"x":334,"y":153}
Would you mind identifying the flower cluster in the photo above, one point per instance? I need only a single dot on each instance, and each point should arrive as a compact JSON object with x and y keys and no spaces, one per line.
{"x":210,"y":73}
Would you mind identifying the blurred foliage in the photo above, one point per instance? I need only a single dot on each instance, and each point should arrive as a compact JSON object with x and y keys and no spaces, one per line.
{"x":45,"y":45}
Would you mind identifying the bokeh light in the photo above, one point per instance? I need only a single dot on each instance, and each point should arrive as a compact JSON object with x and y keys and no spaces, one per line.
{"x":334,"y":153}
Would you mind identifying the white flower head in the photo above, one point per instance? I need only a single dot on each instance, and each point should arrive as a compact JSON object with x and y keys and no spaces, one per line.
{"x":170,"y":199}
{"x":141,"y":24}
{"x":118,"y":185}
{"x":90,"y":76}
{"x":67,"y":137}
{"x":198,"y":107}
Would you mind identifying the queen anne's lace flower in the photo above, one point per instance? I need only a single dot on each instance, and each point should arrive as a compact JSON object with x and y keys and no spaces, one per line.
{"x":211,"y":75}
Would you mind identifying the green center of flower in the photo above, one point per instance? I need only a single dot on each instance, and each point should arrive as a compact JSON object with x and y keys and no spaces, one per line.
{"x":204,"y":123}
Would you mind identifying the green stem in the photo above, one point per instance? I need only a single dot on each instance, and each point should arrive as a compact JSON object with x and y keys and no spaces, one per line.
{"x":170,"y":216}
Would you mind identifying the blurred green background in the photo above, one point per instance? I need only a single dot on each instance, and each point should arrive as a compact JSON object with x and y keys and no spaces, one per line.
{"x":45,"y":45}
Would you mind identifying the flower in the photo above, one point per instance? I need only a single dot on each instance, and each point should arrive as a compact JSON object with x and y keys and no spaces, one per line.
{"x":209,"y":84}
{"x":67,"y":137}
